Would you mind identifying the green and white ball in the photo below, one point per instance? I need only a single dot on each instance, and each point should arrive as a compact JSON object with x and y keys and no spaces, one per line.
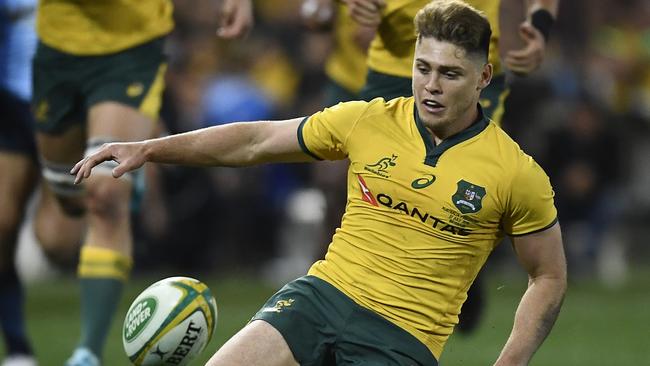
{"x":169,"y":323}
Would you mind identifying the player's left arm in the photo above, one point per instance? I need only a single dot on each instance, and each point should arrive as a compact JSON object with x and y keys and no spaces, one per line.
{"x":542,"y":256}
{"x":534,"y":32}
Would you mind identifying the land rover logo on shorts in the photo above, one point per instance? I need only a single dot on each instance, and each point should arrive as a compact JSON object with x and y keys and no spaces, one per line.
{"x":137,"y":319}
{"x":468,"y":197}
{"x":423,"y":182}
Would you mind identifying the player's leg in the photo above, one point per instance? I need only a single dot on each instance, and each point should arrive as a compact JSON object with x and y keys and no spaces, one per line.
{"x":58,"y":234}
{"x":105,"y":259}
{"x":258,"y":343}
{"x":124,"y":103}
{"x":16,"y":184}
{"x":18,"y":176}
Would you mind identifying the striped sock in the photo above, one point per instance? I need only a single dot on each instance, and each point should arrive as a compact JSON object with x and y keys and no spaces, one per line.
{"x":102,"y":273}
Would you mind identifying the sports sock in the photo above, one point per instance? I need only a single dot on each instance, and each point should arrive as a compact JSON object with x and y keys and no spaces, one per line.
{"x":102,"y":273}
{"x":12,"y":317}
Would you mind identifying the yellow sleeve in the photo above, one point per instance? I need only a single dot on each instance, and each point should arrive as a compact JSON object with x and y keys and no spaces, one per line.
{"x":324,"y":135}
{"x":530,"y":204}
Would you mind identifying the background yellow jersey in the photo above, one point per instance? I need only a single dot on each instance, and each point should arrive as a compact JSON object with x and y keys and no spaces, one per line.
{"x":420,"y":219}
{"x":346,"y":65}
{"x":99,"y":27}
{"x":391,"y":51}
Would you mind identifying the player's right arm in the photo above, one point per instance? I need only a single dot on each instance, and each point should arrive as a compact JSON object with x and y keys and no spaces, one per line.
{"x":235,"y":144}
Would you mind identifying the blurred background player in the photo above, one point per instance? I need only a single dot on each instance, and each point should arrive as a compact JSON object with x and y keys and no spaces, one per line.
{"x":19,"y":164}
{"x":98,"y":77}
{"x":390,"y":62}
{"x":345,"y":70}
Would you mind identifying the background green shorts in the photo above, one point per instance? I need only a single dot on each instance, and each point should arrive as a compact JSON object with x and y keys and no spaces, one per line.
{"x":66,"y":86}
{"x":325,"y":327}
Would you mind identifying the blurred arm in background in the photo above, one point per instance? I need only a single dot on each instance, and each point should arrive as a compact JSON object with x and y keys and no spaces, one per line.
{"x":525,"y":54}
{"x":235,"y":18}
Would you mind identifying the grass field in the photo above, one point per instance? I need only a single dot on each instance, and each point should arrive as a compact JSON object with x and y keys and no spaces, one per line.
{"x":597,"y":326}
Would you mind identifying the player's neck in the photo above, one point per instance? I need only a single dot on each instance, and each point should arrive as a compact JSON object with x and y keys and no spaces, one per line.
{"x":442,"y":133}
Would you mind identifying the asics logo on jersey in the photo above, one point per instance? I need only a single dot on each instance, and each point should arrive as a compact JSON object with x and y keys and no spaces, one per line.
{"x":381,"y":167}
{"x":468,"y":197}
{"x":423,"y":182}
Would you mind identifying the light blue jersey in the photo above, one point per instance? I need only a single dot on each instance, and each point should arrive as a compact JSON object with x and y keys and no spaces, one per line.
{"x":17,"y":46}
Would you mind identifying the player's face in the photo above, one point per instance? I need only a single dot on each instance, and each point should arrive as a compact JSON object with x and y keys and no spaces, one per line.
{"x":446,"y":84}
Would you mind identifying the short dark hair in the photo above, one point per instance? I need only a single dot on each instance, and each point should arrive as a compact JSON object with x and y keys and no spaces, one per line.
{"x":456,"y":22}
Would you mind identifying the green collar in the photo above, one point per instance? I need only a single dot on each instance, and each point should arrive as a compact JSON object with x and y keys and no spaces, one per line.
{"x":434,"y":152}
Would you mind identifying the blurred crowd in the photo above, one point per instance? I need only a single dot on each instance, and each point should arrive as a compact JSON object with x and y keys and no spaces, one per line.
{"x":585,"y":116}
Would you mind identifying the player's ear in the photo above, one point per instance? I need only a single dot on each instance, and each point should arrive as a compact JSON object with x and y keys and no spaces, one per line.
{"x":486,"y":76}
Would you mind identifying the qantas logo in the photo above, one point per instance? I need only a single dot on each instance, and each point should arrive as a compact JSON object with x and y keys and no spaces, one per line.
{"x":366,"y":195}
{"x":407,"y":209}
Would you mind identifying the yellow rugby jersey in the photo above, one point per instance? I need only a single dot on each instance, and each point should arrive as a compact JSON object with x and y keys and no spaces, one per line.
{"x":346,"y":65}
{"x":100,"y":27}
{"x":391,"y":51}
{"x":420,"y":219}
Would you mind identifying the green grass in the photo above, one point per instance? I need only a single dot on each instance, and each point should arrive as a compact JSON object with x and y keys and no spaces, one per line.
{"x":597,"y":325}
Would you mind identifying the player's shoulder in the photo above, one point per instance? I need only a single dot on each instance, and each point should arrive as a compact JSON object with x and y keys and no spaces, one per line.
{"x":374,"y":107}
{"x":507,"y":150}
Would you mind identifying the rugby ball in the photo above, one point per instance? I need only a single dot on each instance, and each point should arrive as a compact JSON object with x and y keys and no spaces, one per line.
{"x":169,"y":323}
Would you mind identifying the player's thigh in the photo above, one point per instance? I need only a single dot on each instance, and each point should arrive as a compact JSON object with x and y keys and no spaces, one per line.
{"x":112,"y":121}
{"x":258,"y":343}
{"x":371,"y":340}
{"x":16,"y":184}
{"x":124,"y":99}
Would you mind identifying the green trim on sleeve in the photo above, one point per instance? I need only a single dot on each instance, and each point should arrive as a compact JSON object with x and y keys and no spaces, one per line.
{"x":538,"y":230}
{"x":301,"y":141}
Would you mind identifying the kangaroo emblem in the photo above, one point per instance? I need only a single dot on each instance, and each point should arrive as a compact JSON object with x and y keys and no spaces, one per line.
{"x":380,"y":168}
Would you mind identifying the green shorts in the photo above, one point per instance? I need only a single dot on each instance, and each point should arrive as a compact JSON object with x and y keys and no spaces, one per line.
{"x":386,"y":86}
{"x":66,"y":86}
{"x":335,"y":93}
{"x":322,"y":326}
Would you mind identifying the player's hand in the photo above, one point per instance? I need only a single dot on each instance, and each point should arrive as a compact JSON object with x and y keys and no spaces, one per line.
{"x":129,"y":156}
{"x":366,"y":12}
{"x":527,"y":59}
{"x":235,"y":18}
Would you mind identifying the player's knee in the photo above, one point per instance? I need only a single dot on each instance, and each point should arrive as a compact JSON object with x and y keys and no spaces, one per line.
{"x":59,"y":237}
{"x":108,"y":199}
{"x":72,"y":206}
{"x":61,"y":183}
{"x":59,"y":252}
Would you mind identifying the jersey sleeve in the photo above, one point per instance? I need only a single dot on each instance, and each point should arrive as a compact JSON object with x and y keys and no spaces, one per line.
{"x":530,"y":204}
{"x":324,"y":135}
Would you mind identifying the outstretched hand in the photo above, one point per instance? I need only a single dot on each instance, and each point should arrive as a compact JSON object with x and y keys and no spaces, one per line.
{"x":527,"y":59}
{"x":235,"y":18}
{"x":128,"y":156}
{"x":366,"y":12}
